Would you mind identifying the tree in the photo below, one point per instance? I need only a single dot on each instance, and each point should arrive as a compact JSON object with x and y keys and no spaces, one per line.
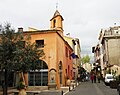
{"x":86,"y":59}
{"x":15,"y":53}
{"x":7,"y":47}
{"x":27,"y":55}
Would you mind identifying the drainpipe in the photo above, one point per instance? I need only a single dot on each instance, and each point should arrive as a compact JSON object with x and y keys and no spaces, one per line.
{"x":108,"y":57}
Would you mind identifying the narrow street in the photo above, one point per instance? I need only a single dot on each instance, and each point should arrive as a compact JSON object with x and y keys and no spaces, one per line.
{"x":88,"y":88}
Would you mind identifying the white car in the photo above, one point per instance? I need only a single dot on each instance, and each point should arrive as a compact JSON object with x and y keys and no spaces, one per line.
{"x":108,"y":78}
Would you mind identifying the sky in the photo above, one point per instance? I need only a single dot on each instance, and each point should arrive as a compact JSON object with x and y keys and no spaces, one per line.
{"x":83,"y":19}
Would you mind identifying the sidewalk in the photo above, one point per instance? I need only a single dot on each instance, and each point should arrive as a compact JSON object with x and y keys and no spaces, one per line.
{"x":62,"y":91}
{"x":68,"y":89}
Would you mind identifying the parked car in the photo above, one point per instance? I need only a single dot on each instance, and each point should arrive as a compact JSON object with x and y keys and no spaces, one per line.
{"x":108,"y":78}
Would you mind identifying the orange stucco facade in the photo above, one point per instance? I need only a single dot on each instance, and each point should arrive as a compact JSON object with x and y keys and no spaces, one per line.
{"x":57,"y":50}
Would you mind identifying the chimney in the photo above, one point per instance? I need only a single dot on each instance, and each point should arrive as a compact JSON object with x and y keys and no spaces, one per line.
{"x":20,"y":29}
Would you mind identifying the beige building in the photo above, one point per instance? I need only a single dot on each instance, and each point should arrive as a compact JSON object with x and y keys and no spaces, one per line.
{"x":87,"y":67}
{"x":78,"y":51}
{"x":107,"y":52}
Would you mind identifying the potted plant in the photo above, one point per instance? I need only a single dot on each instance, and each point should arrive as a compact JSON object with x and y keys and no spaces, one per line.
{"x":21,"y":87}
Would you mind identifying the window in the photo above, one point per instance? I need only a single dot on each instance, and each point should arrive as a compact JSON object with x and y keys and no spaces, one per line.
{"x":69,"y":55}
{"x":66,"y":51}
{"x":39,"y":77}
{"x":71,"y":72}
{"x":74,"y":42}
{"x":68,"y":70}
{"x":40,"y":43}
{"x":54,"y":23}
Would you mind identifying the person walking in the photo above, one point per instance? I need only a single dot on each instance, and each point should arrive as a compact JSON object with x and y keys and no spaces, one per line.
{"x":92,"y":78}
{"x":98,"y":77}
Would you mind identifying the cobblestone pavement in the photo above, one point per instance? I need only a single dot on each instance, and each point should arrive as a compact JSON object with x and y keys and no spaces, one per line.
{"x":88,"y":88}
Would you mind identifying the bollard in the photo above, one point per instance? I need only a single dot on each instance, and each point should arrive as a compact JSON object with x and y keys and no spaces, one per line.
{"x":69,"y":88}
{"x":73,"y":86}
{"x":62,"y":92}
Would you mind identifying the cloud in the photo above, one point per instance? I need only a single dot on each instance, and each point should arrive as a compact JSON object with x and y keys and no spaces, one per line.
{"x":82,"y":18}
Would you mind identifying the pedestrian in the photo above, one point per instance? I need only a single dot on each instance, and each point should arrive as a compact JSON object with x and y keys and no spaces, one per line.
{"x":83,"y":77}
{"x":98,"y":77}
{"x":92,"y":77}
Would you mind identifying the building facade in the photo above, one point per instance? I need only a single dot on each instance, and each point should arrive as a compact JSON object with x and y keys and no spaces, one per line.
{"x":107,"y":52}
{"x":57,"y":64}
{"x":76,"y":59}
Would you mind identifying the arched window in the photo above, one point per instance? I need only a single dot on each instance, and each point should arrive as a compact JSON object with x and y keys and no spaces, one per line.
{"x":54,"y":23}
{"x":39,"y":77}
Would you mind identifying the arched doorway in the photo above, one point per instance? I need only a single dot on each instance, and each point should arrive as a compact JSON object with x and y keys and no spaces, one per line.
{"x":60,"y":72}
{"x":39,"y":77}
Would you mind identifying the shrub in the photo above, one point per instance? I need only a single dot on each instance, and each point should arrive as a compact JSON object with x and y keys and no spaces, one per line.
{"x":21,"y":85}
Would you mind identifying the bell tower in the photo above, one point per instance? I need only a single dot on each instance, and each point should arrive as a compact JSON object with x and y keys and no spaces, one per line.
{"x":56,"y":22}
